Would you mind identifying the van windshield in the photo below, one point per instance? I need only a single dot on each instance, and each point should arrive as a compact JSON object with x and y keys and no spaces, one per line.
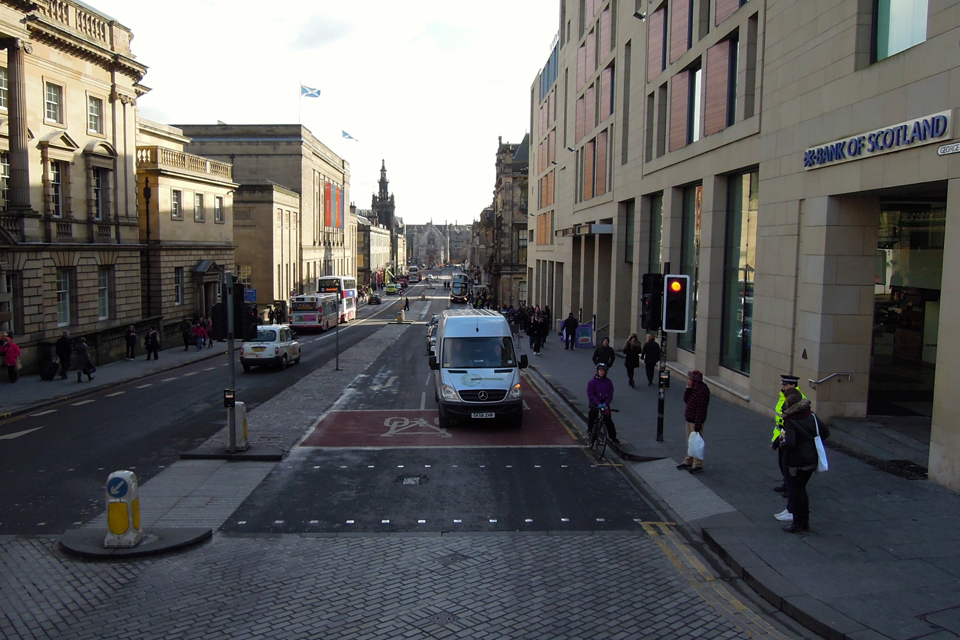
{"x":477,"y":353}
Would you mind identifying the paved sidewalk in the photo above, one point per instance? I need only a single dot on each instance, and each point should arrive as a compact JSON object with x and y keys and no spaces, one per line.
{"x":881,"y":560}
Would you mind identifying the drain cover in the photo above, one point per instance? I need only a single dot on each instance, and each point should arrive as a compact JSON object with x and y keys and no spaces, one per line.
{"x":453,"y":558}
{"x":443,"y":618}
{"x":418,"y":479}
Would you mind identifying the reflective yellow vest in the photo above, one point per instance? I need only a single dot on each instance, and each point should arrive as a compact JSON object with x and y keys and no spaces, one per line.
{"x":778,"y":421}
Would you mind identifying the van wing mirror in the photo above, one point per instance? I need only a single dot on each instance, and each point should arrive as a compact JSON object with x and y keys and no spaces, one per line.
{"x":434,"y":364}
{"x":523,"y":361}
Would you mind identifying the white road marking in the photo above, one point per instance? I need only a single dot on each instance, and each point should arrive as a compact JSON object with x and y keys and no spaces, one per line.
{"x":42,"y":413}
{"x":423,"y":400}
{"x":314,"y":522}
{"x":528,"y":520}
{"x":369,"y":466}
{"x":509,"y":466}
{"x":349,"y":521}
{"x":209,"y":368}
{"x":278,"y":522}
{"x":390,"y":381}
{"x":426,"y":466}
{"x":11,"y":436}
{"x":77,"y":404}
{"x":421,"y":522}
{"x":536,"y":466}
{"x":429,"y":379}
{"x":564,"y":519}
{"x":144,"y":386}
{"x":242,"y":522}
{"x":457,"y":521}
{"x":118,"y":393}
{"x":384,"y":522}
{"x":601,"y":520}
{"x":192,"y":373}
{"x":493,"y":520}
{"x":399,"y":466}
{"x":167,"y":379}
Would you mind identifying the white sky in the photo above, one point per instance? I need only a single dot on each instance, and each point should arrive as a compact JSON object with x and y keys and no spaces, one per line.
{"x":426,"y":85}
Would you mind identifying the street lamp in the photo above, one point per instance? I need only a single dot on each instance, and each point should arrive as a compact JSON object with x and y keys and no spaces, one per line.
{"x":147,"y":192}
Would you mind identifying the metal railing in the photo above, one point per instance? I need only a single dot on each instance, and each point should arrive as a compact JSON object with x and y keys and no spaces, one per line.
{"x":814,"y":383}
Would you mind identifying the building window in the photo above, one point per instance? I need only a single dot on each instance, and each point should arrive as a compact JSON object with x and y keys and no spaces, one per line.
{"x":54,"y":103}
{"x":696,"y":105}
{"x":244,"y":272}
{"x":5,"y":180}
{"x":63,"y":297}
{"x":629,"y":214}
{"x":94,"y":115}
{"x":198,"y":207}
{"x":11,"y":305}
{"x":100,"y":189}
{"x":176,"y":205}
{"x":178,"y":286}
{"x":56,"y":189}
{"x":690,"y":258}
{"x":3,"y":87}
{"x":900,"y":24}
{"x":740,"y":259}
{"x":656,"y":233}
{"x":218,"y":209}
{"x":104,"y":278}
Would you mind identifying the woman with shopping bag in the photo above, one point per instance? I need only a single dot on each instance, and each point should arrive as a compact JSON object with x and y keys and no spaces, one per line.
{"x":696,"y":397}
{"x":803,"y":456}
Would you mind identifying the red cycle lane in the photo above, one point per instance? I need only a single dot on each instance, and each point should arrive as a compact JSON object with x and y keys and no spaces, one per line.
{"x":421,"y":428}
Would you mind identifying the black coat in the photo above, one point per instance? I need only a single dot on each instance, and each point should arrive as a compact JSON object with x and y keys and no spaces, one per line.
{"x":153,"y":341}
{"x":799,"y":430}
{"x":650,"y":352}
{"x":606,"y":355}
{"x":570,"y":325}
{"x":632,"y":354}
{"x":64,"y":347}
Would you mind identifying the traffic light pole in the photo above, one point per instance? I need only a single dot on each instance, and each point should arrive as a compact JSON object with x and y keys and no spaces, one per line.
{"x":662,"y":379}
{"x":231,"y":367}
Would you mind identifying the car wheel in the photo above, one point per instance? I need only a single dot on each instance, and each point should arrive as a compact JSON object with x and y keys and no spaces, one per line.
{"x":283,"y":362}
{"x":444,"y":421}
{"x":246,"y":367}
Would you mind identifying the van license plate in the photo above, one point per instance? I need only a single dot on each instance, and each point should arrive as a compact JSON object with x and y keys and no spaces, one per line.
{"x":483,"y":415}
{"x":259,"y":349}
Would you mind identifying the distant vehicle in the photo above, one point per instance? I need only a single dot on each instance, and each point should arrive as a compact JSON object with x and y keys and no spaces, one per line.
{"x":347,"y":286}
{"x":413,"y":274}
{"x":314,"y":311}
{"x":275,"y":346}
{"x":402,"y":281}
{"x":374,"y":299}
{"x":392,"y":289}
{"x":431,"y":338}
{"x":459,"y":288}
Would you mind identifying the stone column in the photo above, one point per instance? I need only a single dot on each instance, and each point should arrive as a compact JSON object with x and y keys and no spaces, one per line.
{"x":17,"y":123}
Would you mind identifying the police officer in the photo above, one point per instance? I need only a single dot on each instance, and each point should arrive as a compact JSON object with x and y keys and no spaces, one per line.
{"x":787,"y":382}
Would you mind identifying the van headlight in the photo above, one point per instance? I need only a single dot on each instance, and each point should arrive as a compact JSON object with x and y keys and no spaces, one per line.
{"x":449,"y":393}
{"x":514,"y":391}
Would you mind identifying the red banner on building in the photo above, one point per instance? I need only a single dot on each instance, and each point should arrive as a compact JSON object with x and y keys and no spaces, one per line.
{"x":327,"y":205}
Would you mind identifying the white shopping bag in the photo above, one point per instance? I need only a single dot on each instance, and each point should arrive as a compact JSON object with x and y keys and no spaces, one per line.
{"x":695,"y":445}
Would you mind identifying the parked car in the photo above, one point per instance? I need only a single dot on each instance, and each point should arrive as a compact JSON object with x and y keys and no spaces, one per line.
{"x":275,"y":346}
{"x":392,"y":289}
{"x":374,"y":299}
{"x":431,"y":339}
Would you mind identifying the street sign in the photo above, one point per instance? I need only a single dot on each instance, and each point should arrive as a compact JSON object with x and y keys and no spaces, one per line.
{"x":117,"y":487}
{"x":249,"y":295}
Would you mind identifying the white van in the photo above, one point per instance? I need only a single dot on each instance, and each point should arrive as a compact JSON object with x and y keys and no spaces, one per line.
{"x":478,"y":373}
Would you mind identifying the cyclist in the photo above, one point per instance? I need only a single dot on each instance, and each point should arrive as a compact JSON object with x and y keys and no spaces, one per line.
{"x":600,"y":395}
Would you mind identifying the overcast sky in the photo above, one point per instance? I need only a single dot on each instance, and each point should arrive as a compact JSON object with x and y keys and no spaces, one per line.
{"x":426,"y":85}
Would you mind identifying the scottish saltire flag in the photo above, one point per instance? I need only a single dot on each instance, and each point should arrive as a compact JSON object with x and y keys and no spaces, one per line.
{"x":309,"y":92}
{"x":348,"y":136}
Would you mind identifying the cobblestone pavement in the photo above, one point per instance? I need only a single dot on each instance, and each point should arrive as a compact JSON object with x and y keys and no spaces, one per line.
{"x":488,"y":586}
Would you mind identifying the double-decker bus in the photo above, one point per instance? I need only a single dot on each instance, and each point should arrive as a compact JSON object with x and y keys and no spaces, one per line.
{"x":459,"y":288}
{"x":318,"y":312}
{"x":414,"y":274}
{"x":347,"y":286}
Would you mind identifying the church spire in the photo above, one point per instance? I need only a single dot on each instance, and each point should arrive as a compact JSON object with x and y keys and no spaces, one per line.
{"x":384,"y":194}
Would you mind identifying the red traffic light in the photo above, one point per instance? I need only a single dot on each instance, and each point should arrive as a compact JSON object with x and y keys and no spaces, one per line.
{"x":675,"y":285}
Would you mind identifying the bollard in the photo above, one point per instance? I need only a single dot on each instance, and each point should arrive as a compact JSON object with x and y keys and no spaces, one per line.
{"x":399,"y":316}
{"x":123,"y":510}
{"x":241,"y":409}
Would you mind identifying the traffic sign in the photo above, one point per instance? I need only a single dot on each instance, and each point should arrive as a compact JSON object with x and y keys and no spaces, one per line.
{"x":117,"y":487}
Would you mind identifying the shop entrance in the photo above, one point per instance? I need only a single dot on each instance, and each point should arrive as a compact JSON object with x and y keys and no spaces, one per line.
{"x":906,"y":308}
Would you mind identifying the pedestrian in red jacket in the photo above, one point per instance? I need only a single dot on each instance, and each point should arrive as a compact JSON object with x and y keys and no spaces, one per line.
{"x":10,"y":352}
{"x":697,"y":398}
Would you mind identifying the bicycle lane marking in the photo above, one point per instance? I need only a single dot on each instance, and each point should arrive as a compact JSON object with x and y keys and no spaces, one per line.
{"x":713,"y":591}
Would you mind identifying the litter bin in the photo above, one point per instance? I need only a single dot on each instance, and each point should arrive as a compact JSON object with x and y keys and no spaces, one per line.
{"x":46,"y":353}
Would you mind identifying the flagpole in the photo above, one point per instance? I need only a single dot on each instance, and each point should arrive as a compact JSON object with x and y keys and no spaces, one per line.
{"x":299,"y":101}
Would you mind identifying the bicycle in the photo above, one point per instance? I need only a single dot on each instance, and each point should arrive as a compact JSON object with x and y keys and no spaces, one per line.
{"x":597,"y":433}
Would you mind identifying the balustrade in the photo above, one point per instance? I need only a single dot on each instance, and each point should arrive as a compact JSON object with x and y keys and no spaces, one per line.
{"x":163,"y":157}
{"x":89,"y":24}
{"x":64,"y":230}
{"x":103,"y":232}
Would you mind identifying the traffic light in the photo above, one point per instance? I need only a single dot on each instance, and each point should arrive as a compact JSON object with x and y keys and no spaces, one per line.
{"x":246,"y":320}
{"x":219,"y":328}
{"x":676,"y":303}
{"x":651,"y":301}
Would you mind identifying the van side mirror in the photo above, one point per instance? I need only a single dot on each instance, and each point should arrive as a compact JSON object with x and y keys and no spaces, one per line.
{"x":523,"y":361}
{"x":434,"y":364}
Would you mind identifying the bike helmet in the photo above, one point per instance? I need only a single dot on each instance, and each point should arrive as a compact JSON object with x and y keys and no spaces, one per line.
{"x":601,"y":365}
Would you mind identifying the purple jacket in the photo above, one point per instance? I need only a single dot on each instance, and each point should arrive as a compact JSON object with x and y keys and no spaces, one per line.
{"x":600,"y":390}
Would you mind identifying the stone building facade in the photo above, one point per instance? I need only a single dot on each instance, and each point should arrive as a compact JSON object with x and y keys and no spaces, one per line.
{"x":290,"y":156}
{"x":69,"y":237}
{"x":508,"y":270}
{"x":187,"y":225}
{"x":373,"y":249}
{"x":432,"y":244}
{"x":816,"y":236}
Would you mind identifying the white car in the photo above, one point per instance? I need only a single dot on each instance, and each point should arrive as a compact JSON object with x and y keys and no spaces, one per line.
{"x":274,"y":346}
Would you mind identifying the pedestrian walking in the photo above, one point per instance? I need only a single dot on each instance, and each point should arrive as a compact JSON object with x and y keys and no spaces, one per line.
{"x":800,"y":428}
{"x":406,"y":304}
{"x":696,"y":397}
{"x":64,"y":349}
{"x":604,"y":353}
{"x":208,"y":326}
{"x":84,"y":364}
{"x":788,"y":382}
{"x":650,"y":354}
{"x":186,"y":330}
{"x":10,"y":353}
{"x":569,"y":331}
{"x":130,"y":337}
{"x":631,"y":353}
{"x":152,"y":343}
{"x":200,"y":336}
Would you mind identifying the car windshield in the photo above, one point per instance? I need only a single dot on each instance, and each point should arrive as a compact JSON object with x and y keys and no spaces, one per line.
{"x":477,"y":353}
{"x":266,"y":335}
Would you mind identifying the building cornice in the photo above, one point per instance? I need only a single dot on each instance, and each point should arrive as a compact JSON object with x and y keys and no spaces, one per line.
{"x":52,"y":33}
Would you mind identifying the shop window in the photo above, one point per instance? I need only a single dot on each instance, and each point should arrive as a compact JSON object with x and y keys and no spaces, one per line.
{"x":899,"y":25}
{"x":740,"y":259}
{"x":690,"y":258}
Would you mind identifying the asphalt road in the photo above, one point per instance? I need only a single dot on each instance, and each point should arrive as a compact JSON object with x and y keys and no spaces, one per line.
{"x":53,"y":478}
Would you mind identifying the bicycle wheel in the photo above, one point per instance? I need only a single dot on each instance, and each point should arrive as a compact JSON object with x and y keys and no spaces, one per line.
{"x":601,"y":436}
{"x":591,"y":435}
